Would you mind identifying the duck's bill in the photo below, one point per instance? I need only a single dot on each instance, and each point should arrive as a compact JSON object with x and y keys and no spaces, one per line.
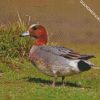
{"x":25,"y":34}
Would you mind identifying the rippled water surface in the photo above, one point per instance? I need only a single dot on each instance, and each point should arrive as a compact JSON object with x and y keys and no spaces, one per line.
{"x":67,"y":18}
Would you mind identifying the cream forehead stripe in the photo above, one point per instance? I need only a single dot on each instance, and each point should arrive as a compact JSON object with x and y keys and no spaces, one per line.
{"x":33,"y":25}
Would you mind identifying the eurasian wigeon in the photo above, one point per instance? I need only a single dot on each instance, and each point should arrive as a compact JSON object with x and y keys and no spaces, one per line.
{"x":55,"y":61}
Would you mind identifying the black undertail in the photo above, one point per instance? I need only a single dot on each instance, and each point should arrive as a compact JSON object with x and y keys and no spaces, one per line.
{"x":83,"y":66}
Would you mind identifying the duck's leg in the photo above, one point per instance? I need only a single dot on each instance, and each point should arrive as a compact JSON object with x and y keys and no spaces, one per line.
{"x":54,"y":81}
{"x":63,"y":77}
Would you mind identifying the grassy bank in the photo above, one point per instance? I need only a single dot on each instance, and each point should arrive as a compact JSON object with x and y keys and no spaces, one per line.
{"x":19,"y":80}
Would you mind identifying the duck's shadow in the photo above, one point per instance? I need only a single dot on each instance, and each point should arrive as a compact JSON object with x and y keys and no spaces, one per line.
{"x":47,"y":82}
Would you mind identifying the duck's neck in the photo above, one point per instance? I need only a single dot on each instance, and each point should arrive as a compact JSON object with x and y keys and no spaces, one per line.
{"x":42,"y":40}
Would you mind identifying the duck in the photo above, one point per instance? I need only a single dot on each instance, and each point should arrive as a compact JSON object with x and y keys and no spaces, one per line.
{"x":55,"y":61}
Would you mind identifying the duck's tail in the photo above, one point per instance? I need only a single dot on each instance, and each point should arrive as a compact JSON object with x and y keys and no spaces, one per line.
{"x":86,"y":57}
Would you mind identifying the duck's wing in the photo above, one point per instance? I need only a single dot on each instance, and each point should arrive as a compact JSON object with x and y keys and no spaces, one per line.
{"x":65,"y":52}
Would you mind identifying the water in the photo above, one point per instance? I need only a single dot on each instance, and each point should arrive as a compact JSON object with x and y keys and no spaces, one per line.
{"x":65,"y":18}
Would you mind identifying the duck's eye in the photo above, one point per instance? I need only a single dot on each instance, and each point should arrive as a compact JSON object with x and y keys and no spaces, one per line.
{"x":35,"y":27}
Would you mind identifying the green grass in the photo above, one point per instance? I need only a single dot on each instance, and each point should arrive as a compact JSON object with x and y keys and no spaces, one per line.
{"x":22,"y":81}
{"x":28,"y":83}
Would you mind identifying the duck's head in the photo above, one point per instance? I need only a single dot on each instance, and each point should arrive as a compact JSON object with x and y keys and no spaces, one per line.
{"x":38,"y":32}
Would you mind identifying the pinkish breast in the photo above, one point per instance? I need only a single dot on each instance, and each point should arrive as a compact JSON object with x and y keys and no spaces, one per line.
{"x":32,"y":54}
